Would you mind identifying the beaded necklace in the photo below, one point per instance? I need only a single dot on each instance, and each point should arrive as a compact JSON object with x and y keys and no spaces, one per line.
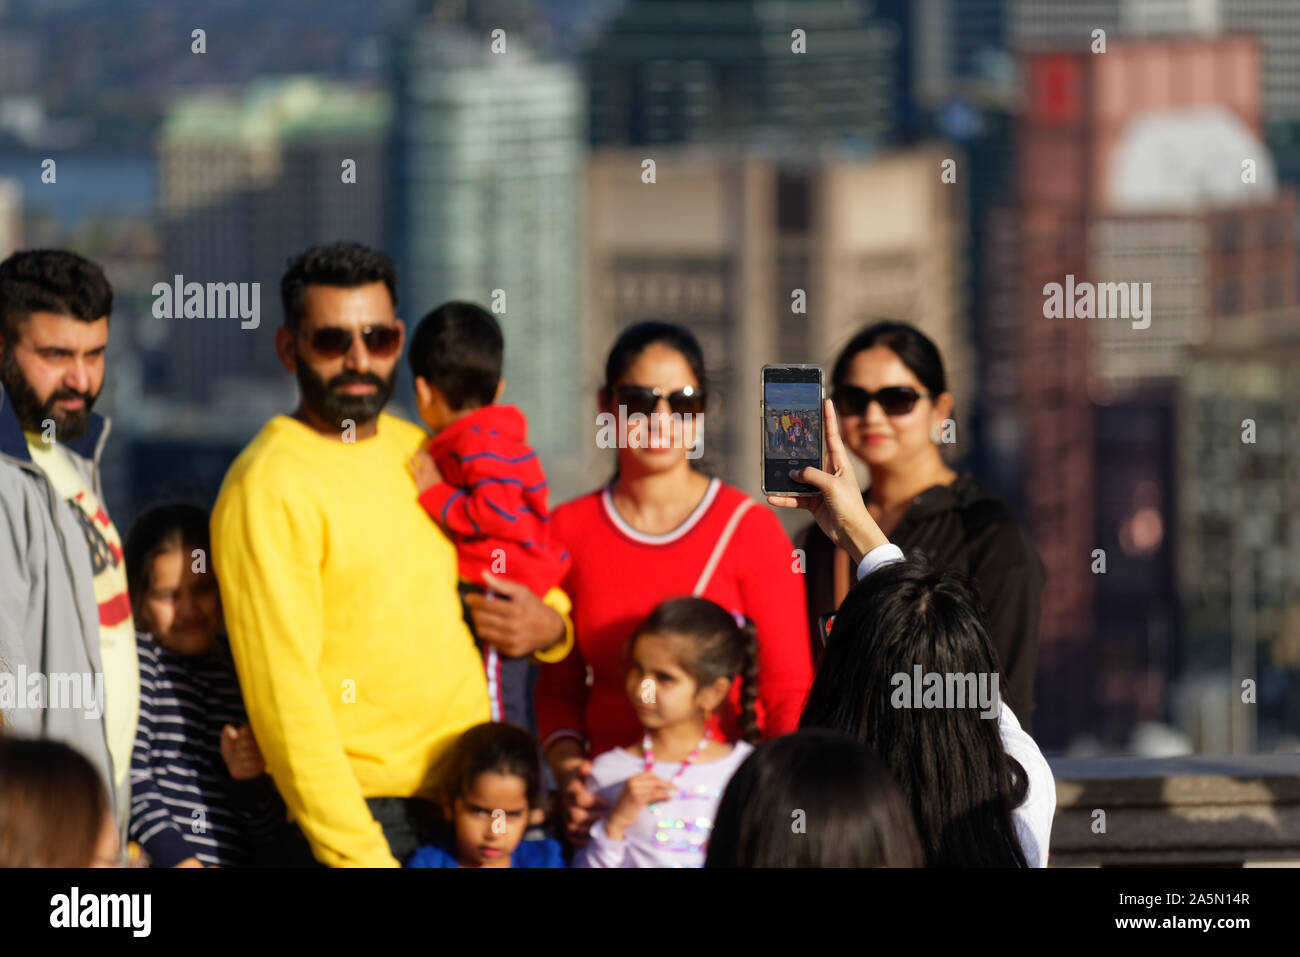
{"x":648,"y":748}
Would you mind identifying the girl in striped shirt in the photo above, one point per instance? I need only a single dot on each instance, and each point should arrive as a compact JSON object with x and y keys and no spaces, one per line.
{"x":200,"y":795}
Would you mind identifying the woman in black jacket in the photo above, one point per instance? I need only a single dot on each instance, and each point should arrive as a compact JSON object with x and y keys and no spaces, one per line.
{"x":891,"y":396}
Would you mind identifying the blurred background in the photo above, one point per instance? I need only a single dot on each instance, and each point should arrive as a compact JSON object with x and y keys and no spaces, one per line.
{"x":800,"y":152}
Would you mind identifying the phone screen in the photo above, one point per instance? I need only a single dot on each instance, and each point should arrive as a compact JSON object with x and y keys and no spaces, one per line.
{"x":792,"y":425}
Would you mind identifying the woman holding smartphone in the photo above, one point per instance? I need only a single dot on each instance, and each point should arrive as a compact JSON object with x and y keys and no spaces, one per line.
{"x":980,"y":791}
{"x":890,"y":393}
{"x":662,"y":529}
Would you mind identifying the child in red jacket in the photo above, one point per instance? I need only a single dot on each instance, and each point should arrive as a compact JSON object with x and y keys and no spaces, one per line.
{"x":482,"y":483}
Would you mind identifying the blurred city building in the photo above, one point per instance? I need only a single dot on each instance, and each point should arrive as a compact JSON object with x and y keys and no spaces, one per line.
{"x":1239,"y":529}
{"x":245,"y":181}
{"x":965,"y":83}
{"x":1134,"y":170}
{"x":485,"y":190}
{"x":960,"y":48}
{"x":11,"y":217}
{"x":668,"y":71}
{"x":1274,"y":23}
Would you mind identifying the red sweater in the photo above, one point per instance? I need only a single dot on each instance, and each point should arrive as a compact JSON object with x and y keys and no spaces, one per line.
{"x":619,"y":575}
{"x":492,"y":499}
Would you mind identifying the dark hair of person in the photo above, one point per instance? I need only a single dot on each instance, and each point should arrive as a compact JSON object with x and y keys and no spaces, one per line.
{"x":813,"y":799}
{"x":160,"y":528}
{"x":458,"y":347}
{"x":52,"y":804}
{"x":711,"y":645}
{"x":344,"y":264}
{"x":51,"y":280}
{"x":913,"y":348}
{"x":490,"y":747}
{"x":949,"y":762}
{"x":635,"y":339}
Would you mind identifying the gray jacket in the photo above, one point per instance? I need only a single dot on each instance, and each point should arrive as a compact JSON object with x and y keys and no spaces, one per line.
{"x":49,"y":619}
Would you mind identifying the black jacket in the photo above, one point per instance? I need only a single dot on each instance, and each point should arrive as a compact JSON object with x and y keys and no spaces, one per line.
{"x":962,"y":526}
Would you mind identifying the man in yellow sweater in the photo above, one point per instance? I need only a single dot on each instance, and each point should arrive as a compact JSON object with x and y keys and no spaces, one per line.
{"x":339,"y":592}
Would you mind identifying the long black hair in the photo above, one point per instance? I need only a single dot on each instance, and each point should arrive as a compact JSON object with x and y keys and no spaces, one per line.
{"x":715,"y":646}
{"x":639,"y":337}
{"x":813,"y":799}
{"x":949,"y":761}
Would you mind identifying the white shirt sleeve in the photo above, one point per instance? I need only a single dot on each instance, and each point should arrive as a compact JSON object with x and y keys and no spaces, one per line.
{"x":600,"y":850}
{"x":1033,"y":818}
{"x":603,"y":851}
{"x":880,"y":555}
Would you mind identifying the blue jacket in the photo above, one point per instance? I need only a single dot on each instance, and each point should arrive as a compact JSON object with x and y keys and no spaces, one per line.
{"x":543,"y":853}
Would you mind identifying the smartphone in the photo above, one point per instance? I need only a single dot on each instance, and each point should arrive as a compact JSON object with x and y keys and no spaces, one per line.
{"x":792,"y":426}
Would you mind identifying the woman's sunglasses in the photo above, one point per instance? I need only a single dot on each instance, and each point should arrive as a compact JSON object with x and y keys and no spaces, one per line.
{"x":894,"y":399}
{"x":330,"y":342}
{"x":643,"y":399}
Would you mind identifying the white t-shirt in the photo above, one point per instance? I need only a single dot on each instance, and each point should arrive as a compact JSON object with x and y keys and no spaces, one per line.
{"x":117,"y":649}
{"x":674,"y":837}
{"x":1033,"y":818}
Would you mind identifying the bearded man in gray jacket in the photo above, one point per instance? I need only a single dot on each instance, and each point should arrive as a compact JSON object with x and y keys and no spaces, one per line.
{"x":68,"y":662}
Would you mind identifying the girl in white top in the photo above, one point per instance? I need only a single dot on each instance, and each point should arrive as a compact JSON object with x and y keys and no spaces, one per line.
{"x":663,"y":791}
{"x":981,"y":796}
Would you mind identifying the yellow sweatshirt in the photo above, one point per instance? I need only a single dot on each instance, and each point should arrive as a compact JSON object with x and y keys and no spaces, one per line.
{"x":341,"y":605}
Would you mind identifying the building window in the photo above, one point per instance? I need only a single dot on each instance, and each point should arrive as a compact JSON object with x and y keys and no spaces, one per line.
{"x":1228,"y":298}
{"x":793,"y":202}
{"x":1227,"y":236}
{"x":1273,"y":291}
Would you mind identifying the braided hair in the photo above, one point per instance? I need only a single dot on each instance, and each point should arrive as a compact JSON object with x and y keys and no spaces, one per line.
{"x":717,"y":645}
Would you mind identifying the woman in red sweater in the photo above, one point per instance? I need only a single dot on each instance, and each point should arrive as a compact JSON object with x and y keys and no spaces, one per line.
{"x":662,"y":529}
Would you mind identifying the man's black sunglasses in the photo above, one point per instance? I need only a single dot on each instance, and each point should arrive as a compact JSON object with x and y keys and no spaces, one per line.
{"x":894,"y":399}
{"x":330,"y":342}
{"x":643,"y":399}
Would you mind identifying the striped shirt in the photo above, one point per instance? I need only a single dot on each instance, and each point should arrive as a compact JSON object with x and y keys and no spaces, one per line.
{"x":184,"y":803}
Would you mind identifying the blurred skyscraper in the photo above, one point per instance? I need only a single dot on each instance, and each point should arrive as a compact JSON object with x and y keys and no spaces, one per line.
{"x":964,"y":78}
{"x":11,"y":217}
{"x":1274,"y":23}
{"x":245,"y":182}
{"x":961,"y":49}
{"x":20,"y":61}
{"x":1239,"y":525}
{"x":485,"y":189}
{"x":668,"y":71}
{"x":1050,"y":22}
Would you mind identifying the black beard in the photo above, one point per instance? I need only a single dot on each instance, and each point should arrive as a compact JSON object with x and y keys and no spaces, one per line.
{"x":33,"y":413}
{"x":334,"y":407}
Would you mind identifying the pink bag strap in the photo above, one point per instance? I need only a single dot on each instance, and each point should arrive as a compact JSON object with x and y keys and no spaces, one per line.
{"x":721,"y":546}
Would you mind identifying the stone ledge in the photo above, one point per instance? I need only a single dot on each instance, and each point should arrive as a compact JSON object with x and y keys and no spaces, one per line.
{"x":1199,"y":809}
